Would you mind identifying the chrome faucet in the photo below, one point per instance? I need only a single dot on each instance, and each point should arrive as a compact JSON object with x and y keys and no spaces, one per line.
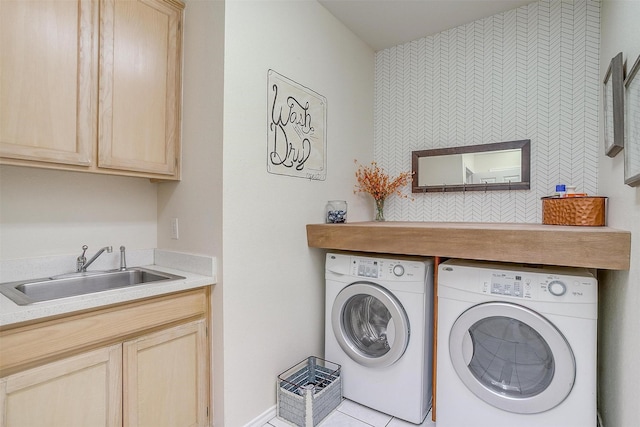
{"x":82,"y":262}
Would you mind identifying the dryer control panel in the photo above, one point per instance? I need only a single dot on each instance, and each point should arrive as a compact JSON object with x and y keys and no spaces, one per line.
{"x":540,"y":286}
{"x":508,"y":284}
{"x":562,"y":291}
{"x":519,"y":282}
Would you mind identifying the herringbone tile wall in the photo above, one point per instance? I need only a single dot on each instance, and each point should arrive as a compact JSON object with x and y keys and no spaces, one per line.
{"x":529,"y":73}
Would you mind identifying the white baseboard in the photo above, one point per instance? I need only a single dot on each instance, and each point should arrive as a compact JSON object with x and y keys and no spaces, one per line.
{"x":263,"y":418}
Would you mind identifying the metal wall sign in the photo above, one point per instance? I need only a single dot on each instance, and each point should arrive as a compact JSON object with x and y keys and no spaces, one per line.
{"x":296,"y":129}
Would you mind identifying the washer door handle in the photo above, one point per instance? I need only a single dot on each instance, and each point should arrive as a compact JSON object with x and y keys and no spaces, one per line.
{"x":467,"y":348}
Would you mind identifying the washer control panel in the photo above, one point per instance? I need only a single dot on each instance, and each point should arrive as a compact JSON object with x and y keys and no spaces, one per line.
{"x":366,"y":268}
{"x":378,"y":268}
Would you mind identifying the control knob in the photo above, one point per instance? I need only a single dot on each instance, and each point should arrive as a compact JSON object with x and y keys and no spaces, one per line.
{"x":398,"y":270}
{"x":557,"y":288}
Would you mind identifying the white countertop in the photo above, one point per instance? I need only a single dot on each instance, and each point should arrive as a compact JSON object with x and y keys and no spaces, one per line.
{"x":11,"y":313}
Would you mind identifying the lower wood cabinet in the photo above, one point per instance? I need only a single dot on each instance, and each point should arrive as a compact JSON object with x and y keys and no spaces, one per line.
{"x":165,"y":378}
{"x":155,"y":376}
{"x":83,"y":390}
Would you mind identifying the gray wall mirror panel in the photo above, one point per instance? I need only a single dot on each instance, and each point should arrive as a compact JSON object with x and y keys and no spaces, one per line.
{"x":485,"y":167}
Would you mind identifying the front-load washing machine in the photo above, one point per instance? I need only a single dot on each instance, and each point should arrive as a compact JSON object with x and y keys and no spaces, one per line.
{"x":379,"y":328}
{"x":516,"y":346}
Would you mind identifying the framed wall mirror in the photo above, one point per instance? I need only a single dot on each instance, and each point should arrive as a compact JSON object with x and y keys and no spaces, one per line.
{"x":485,"y":167}
{"x":613,"y":104}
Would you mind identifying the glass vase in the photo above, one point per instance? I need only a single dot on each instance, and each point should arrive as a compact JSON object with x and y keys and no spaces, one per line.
{"x":379,"y":210}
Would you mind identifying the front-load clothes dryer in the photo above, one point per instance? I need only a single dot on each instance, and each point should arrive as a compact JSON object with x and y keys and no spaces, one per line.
{"x":516,"y":346}
{"x":379,"y":328}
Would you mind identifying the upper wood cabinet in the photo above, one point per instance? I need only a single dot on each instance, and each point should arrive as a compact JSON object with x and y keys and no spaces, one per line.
{"x":139,"y":107}
{"x":92,"y":85}
{"x":48,"y":81}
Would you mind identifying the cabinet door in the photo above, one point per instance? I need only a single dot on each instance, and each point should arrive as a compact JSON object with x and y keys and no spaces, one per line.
{"x":166,"y":378}
{"x":140,"y":85}
{"x":48,"y":80}
{"x":80,"y":391}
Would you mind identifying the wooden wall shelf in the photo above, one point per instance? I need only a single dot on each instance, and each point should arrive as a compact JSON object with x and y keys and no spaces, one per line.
{"x":573,"y":246}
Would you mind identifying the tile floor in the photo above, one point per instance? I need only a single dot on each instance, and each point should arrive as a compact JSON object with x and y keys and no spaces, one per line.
{"x":351,"y":414}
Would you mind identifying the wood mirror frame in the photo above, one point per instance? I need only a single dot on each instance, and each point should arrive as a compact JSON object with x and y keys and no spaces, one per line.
{"x":525,"y":166}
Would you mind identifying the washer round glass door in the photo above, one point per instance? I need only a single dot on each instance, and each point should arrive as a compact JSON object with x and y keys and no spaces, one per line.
{"x":512,"y":357}
{"x":370,"y":324}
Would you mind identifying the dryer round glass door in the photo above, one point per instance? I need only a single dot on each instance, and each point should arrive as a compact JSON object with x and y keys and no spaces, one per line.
{"x":370,"y":324}
{"x":512,"y":357}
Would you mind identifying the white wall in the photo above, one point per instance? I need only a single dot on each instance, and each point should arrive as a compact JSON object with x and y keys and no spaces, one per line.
{"x":562,"y":121}
{"x":47,"y":212}
{"x":619,"y":323}
{"x":273,"y":283}
{"x":528,"y":73}
{"x":197,"y":200}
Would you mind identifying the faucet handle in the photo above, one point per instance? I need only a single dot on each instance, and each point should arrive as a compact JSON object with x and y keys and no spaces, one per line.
{"x":81,"y":259}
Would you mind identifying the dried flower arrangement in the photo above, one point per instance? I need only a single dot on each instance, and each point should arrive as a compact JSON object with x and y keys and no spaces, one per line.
{"x":376,"y":182}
